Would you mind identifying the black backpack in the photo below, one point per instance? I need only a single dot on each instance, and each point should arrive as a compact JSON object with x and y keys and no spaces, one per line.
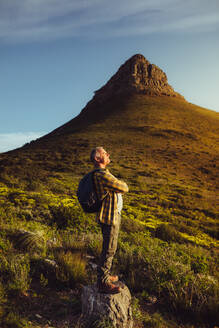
{"x":87,"y":195}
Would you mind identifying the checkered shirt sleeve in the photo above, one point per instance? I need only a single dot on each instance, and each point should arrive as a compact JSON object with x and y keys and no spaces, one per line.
{"x":107,"y":187}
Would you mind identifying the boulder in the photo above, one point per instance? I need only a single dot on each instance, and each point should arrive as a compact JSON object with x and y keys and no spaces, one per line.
{"x":114,"y":307}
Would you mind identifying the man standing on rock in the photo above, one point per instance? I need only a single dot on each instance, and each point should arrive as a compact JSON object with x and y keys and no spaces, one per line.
{"x":110,"y":189}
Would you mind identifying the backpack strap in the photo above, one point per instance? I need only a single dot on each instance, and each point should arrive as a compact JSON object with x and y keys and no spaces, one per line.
{"x":94,"y":185}
{"x":95,"y":189}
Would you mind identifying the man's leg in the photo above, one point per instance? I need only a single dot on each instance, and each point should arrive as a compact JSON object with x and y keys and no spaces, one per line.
{"x":110,"y":240}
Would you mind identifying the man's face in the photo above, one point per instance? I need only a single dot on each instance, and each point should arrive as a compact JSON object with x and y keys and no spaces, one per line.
{"x":104,"y":157}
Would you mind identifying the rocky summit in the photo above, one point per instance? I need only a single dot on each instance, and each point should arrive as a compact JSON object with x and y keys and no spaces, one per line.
{"x":136,"y":75}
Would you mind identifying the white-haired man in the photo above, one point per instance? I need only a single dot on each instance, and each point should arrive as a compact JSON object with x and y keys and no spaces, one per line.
{"x":110,"y":190}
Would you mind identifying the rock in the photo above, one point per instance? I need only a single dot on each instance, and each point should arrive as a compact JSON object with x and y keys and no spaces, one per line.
{"x":116,"y":307}
{"x":136,"y":75}
{"x":51,"y":263}
{"x":38,"y":316}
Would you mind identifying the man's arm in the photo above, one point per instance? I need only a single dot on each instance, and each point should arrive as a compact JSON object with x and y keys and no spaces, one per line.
{"x":113,"y":183}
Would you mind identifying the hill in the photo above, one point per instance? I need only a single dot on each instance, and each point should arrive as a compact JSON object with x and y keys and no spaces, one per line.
{"x":167,"y":151}
{"x":164,"y":131}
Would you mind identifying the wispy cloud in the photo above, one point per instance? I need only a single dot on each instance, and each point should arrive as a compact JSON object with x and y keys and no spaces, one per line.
{"x":9,"y":141}
{"x":30,"y":20}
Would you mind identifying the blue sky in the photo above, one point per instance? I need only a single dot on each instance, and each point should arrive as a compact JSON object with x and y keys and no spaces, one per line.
{"x":54,"y":54}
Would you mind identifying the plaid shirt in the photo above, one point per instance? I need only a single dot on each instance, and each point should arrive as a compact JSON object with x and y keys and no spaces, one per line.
{"x":107,"y":187}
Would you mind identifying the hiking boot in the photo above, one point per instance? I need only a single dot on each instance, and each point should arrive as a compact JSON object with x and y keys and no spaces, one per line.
{"x":113,"y":278}
{"x":108,"y":288}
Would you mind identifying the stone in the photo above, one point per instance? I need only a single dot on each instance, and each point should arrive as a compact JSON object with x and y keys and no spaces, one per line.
{"x":136,"y":75}
{"x":116,"y":307}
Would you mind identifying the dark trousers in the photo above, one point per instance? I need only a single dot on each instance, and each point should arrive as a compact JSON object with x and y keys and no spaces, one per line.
{"x":110,"y":239}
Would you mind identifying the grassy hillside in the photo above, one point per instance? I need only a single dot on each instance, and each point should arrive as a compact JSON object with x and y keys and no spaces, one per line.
{"x":167,"y":151}
{"x":172,"y":136}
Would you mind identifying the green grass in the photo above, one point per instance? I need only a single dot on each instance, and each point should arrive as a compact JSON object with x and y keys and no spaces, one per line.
{"x":165,"y":149}
{"x":164,"y":249}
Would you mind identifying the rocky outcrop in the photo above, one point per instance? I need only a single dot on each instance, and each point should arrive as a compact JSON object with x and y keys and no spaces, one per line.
{"x":113,"y":307}
{"x":136,"y":75}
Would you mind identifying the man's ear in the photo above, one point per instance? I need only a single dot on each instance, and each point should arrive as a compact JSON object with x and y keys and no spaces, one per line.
{"x":97,"y":159}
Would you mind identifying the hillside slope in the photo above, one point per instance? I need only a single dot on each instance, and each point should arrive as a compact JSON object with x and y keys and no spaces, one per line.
{"x":149,"y":133}
{"x":153,"y":134}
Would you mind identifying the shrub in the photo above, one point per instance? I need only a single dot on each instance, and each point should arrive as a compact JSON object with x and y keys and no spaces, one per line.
{"x":28,"y":241}
{"x":154,"y":320}
{"x":14,"y":271}
{"x":130,"y":263}
{"x":43,"y":271}
{"x":136,"y":311}
{"x":199,"y":264}
{"x":71,"y":268}
{"x":13,"y":320}
{"x":71,"y":216}
{"x":4,"y":244}
{"x":167,"y":232}
{"x":167,"y":270}
{"x":103,"y":322}
{"x":3,"y":300}
{"x":72,"y":241}
{"x":81,"y":242}
{"x":129,"y":225}
{"x":199,"y":297}
{"x":94,"y":244}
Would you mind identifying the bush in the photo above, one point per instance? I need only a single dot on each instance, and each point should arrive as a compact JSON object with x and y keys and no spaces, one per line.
{"x":71,"y":268}
{"x":71,"y":216}
{"x":167,"y":270}
{"x":28,"y":241}
{"x":94,"y":244}
{"x":129,"y":225}
{"x":72,"y":241}
{"x":3,"y":300}
{"x":199,"y":264}
{"x":103,"y":322}
{"x":14,"y":273}
{"x":154,"y":320}
{"x":130,"y":263}
{"x":13,"y":320}
{"x":167,"y":232}
{"x":198,"y":296}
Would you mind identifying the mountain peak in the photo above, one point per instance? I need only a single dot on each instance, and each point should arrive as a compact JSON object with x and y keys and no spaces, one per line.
{"x":137,"y":75}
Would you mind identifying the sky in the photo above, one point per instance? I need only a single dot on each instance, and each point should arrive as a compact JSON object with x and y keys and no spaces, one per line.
{"x":55,"y":54}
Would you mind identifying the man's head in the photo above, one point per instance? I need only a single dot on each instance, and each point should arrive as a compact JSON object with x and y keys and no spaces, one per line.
{"x":99,"y":157}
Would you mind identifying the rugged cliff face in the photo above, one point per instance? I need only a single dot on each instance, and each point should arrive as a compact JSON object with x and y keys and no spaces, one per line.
{"x":136,"y":75}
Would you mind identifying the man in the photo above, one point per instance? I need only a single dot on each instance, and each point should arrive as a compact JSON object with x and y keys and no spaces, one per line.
{"x":109,"y":189}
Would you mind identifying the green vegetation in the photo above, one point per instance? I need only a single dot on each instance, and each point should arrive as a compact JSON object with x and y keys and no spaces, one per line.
{"x":168,"y":245}
{"x":164,"y":250}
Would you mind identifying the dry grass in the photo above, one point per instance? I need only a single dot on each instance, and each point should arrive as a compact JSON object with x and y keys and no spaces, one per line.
{"x":71,"y":268}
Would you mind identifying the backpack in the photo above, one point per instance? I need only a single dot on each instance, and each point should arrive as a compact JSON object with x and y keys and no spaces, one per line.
{"x":87,"y":195}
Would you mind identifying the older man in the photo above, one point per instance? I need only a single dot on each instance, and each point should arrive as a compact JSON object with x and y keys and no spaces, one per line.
{"x":109,"y":189}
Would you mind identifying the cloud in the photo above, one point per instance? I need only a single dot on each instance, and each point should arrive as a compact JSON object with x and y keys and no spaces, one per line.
{"x":30,"y":20}
{"x":9,"y":141}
